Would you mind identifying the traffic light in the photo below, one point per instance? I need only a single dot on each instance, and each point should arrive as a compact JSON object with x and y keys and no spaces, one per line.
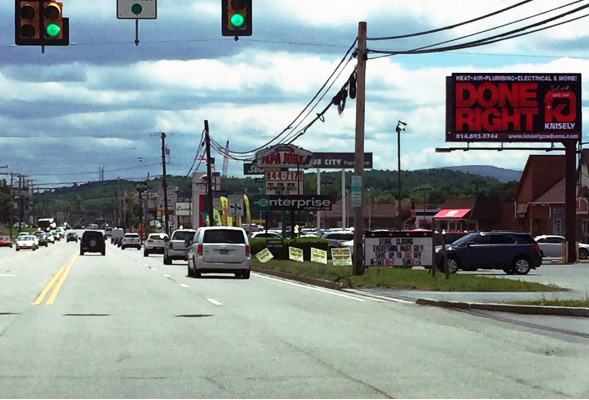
{"x":236,"y":18}
{"x":40,"y":23}
{"x":27,"y":23}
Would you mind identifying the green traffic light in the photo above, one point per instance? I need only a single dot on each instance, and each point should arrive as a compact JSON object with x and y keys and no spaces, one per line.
{"x":52,"y":30}
{"x":237,"y":20}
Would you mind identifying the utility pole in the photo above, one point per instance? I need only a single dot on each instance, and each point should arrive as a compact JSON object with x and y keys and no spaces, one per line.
{"x":209,"y":175}
{"x":358,"y":268}
{"x":164,"y":183}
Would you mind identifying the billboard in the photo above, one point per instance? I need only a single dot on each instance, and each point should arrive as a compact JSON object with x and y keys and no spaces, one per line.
{"x":500,"y":107}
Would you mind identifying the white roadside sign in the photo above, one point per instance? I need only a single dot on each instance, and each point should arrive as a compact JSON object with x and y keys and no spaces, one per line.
{"x":137,"y":9}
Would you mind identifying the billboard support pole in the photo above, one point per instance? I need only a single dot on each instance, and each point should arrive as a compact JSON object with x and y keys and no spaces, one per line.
{"x":570,"y":200}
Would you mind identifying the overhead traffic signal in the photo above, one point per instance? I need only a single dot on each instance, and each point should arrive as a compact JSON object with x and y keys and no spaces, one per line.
{"x":236,"y":18}
{"x":40,"y":23}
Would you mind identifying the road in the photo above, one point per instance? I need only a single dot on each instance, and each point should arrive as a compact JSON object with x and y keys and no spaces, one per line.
{"x":122,"y":325}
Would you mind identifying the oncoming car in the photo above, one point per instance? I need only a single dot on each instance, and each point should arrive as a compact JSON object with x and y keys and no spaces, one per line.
{"x":27,"y":242}
{"x":219,"y":249}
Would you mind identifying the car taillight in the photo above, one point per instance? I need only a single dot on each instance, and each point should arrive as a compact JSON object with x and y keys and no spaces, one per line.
{"x":537,"y":247}
{"x":149,"y":241}
{"x":170,"y":246}
{"x":247,"y":249}
{"x":199,"y":249}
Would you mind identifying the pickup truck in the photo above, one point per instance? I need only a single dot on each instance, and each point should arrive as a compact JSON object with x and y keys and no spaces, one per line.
{"x":177,"y":246}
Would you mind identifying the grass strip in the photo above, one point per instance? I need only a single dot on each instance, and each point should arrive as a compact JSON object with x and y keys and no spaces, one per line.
{"x":418,"y":279}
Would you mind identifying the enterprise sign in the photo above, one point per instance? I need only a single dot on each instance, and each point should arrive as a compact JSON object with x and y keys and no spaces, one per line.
{"x":293,"y":203}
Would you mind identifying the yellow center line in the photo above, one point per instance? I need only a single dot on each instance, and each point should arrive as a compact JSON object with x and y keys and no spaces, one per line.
{"x":58,"y":279}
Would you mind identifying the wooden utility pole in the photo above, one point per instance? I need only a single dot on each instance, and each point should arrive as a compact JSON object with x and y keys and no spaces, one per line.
{"x":358,"y":268}
{"x":165,"y":184}
{"x":209,"y":175}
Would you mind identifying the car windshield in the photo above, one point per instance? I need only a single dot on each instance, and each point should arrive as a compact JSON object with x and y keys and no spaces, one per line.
{"x":223,"y":236}
{"x":464,"y":239}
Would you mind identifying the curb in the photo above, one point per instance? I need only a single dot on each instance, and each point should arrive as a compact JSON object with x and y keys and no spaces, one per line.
{"x":520,"y":309}
{"x":294,"y":277}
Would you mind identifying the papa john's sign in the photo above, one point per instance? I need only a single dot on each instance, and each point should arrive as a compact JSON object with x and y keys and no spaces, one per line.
{"x":496,"y":107}
{"x":284,"y":156}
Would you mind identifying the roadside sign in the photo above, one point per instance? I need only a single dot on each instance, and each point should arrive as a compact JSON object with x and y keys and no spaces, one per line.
{"x":295,"y":254}
{"x":356,"y":191}
{"x":236,"y":206}
{"x":339,"y":160}
{"x":318,"y":255}
{"x":264,"y":255}
{"x":137,"y":9}
{"x":341,"y":257}
{"x":398,"y":249}
{"x":292,"y":203}
{"x":284,"y":182}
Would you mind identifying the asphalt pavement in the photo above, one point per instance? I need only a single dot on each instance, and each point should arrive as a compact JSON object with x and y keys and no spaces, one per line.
{"x":572,"y":278}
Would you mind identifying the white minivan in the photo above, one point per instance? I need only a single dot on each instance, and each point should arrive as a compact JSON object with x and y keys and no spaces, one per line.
{"x":219,"y":249}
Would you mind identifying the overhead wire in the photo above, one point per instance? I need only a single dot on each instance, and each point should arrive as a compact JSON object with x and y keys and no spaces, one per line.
{"x":451,"y":26}
{"x":488,"y":40}
{"x":196,"y":154}
{"x":241,"y":155}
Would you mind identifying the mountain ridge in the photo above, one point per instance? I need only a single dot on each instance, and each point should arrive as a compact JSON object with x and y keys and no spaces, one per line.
{"x":501,"y":174}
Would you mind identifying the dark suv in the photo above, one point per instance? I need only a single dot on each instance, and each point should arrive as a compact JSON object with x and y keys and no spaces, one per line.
{"x":92,"y":242}
{"x":513,"y":252}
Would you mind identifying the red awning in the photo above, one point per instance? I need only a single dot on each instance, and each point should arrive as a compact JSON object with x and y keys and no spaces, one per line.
{"x":452,"y":213}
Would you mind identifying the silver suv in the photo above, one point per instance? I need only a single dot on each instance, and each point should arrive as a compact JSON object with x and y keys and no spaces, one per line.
{"x":131,"y":240}
{"x":177,"y":246}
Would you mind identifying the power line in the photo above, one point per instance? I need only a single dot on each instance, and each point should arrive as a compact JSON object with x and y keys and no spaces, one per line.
{"x":451,"y":26}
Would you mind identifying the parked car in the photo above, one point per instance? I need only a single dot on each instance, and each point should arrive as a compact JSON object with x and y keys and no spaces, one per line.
{"x":266,"y":235}
{"x":71,"y":237}
{"x":336,"y":238}
{"x":219,"y":249}
{"x":131,"y":240}
{"x":5,"y":241}
{"x":553,"y":245}
{"x":178,"y":244}
{"x":513,"y":252}
{"x":27,"y":242}
{"x":155,"y":243}
{"x":92,"y":242}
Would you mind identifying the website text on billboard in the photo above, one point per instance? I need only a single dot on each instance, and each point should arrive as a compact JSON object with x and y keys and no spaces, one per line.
{"x":513,"y":107}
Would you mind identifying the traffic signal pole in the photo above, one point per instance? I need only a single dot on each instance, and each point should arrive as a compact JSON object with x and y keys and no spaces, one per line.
{"x":358,"y":268}
{"x":209,"y":175}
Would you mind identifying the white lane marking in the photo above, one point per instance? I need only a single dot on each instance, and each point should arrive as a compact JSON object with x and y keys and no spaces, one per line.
{"x":167,"y":276}
{"x":183,"y":285}
{"x":7,"y":275}
{"x":155,"y":269}
{"x":215,"y":302}
{"x":318,"y":289}
{"x":376,"y":296}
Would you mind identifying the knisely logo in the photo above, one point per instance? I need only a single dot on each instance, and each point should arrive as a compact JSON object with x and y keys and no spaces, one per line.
{"x":560,"y":109}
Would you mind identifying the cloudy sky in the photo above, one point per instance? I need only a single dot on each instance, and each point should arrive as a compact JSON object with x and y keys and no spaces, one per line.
{"x":102,"y":101}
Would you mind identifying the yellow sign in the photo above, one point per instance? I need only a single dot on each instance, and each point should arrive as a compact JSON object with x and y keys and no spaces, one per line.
{"x":264,"y":256}
{"x":224,"y":211}
{"x":296,"y":254}
{"x":340,"y":256}
{"x":318,"y":255}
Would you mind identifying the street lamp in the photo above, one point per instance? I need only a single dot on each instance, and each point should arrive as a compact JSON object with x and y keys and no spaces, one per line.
{"x":141,"y":187}
{"x":400,"y":127}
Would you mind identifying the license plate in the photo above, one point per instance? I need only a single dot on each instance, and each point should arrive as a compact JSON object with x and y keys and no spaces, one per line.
{"x":223,"y":252}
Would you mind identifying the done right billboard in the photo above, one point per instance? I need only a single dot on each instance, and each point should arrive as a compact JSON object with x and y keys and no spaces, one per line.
{"x":497,"y":107}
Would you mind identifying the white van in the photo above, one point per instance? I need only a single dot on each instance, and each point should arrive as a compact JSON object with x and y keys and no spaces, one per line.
{"x":116,"y":235}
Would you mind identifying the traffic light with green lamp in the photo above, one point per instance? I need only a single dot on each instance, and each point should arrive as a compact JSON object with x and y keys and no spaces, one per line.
{"x":236,"y":18}
{"x":40,"y":23}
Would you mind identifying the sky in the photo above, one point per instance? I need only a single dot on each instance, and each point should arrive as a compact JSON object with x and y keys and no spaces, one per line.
{"x":102,"y":101}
